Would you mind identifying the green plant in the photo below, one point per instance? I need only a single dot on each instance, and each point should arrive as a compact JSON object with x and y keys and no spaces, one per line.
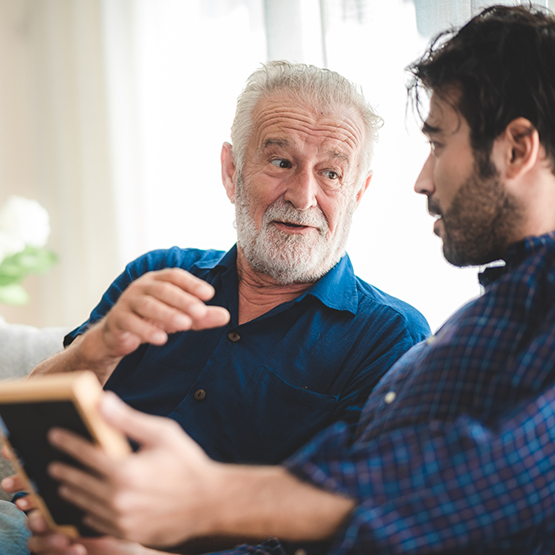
{"x":24,"y":230}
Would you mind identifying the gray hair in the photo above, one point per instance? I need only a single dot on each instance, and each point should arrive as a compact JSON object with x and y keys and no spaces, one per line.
{"x":323,"y":87}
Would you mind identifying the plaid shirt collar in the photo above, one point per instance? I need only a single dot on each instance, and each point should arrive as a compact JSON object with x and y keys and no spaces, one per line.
{"x":516,"y":253}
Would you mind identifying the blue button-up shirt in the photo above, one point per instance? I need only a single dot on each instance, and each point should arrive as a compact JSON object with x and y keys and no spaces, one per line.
{"x":455,"y":449}
{"x":256,"y":392}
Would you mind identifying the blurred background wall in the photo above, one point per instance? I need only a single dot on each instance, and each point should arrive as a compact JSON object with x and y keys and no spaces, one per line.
{"x":112,"y":115}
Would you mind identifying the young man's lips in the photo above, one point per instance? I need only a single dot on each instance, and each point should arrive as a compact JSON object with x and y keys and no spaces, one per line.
{"x":437,"y":225}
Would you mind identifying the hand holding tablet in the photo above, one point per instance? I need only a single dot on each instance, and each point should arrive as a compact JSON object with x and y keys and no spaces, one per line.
{"x":28,"y":410}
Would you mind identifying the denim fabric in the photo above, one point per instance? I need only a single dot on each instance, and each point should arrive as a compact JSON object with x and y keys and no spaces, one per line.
{"x":13,"y":531}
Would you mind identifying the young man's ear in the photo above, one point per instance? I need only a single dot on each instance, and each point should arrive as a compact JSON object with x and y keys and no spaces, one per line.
{"x":522,"y":147}
{"x":228,"y":171}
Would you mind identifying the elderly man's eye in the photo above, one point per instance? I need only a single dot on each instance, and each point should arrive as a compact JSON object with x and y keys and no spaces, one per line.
{"x":280,"y":163}
{"x":330,"y":174}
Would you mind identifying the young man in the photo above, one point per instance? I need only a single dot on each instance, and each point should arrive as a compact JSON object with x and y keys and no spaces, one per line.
{"x":455,"y":449}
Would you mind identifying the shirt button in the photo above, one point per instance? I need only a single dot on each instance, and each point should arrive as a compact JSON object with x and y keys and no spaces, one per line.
{"x":300,"y":552}
{"x":390,"y":397}
{"x":200,"y":394}
{"x":233,"y":336}
{"x":430,"y":339}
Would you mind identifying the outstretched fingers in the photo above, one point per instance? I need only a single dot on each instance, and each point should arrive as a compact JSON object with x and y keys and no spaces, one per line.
{"x":78,"y":487}
{"x":157,"y":304}
{"x":215,"y":317}
{"x":89,"y":455}
{"x":181,"y":301}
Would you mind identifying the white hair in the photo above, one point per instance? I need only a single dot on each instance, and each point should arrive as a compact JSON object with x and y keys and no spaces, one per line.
{"x":324,"y":88}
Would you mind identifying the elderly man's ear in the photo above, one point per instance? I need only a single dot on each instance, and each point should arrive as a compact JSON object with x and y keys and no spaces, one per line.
{"x":228,"y":171}
{"x":363,"y":187}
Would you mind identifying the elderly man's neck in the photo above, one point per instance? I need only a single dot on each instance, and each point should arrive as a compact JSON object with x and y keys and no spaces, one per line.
{"x":259,"y":293}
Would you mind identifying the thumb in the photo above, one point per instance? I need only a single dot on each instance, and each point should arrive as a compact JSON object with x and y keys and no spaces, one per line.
{"x":143,"y":428}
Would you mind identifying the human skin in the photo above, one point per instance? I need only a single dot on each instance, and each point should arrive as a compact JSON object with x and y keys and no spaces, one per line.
{"x":170,"y":491}
{"x":306,"y":158}
{"x":522,"y":168}
{"x":261,"y":502}
{"x":154,"y":305}
{"x":296,"y":153}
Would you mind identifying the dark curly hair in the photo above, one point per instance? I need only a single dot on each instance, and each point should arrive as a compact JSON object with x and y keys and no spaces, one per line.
{"x":502,"y":63}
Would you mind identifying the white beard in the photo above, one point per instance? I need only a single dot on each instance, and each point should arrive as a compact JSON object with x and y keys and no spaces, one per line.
{"x":287,"y":257}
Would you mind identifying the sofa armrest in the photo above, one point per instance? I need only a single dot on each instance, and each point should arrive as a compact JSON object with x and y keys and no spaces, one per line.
{"x":21,"y":349}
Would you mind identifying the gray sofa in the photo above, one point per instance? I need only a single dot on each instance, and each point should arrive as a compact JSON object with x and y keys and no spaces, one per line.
{"x":21,"y":349}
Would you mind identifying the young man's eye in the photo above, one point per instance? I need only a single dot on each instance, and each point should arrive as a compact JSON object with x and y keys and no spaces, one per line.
{"x":280,"y":163}
{"x":434,"y":146}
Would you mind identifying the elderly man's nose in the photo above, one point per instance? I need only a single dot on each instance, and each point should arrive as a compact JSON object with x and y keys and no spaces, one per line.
{"x":302,"y":190}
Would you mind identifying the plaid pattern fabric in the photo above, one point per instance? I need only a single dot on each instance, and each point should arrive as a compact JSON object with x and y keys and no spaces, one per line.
{"x":455,"y":449}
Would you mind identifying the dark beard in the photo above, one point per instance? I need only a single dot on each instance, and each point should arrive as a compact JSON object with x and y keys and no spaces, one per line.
{"x":479,"y":224}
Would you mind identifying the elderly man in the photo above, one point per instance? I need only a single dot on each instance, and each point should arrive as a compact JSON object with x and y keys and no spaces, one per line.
{"x":255,"y":350}
{"x":455,"y":449}
{"x":289,"y":340}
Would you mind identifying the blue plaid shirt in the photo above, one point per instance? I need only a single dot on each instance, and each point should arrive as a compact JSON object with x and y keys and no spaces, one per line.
{"x":455,"y":449}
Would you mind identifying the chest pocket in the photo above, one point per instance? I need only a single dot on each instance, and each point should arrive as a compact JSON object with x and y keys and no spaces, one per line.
{"x":274,"y":418}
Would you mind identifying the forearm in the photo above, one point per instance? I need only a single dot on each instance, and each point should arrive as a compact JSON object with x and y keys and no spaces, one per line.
{"x":85,"y":353}
{"x":193,"y":496}
{"x":435,"y":482}
{"x":260,"y":502}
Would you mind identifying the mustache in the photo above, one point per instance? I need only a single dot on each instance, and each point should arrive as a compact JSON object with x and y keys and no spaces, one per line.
{"x":284,"y":211}
{"x":433,"y":208}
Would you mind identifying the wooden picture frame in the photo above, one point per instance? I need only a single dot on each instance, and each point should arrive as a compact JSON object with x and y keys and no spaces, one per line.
{"x":28,"y":409}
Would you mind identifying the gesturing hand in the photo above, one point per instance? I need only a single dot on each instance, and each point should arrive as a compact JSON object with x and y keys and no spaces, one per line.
{"x":157,"y":303}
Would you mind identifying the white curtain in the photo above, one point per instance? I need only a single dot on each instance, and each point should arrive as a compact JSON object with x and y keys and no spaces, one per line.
{"x":112,"y":115}
{"x":434,"y":16}
{"x":55,"y":146}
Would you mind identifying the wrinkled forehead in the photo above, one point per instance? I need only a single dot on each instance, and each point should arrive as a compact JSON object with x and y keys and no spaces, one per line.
{"x":284,"y":115}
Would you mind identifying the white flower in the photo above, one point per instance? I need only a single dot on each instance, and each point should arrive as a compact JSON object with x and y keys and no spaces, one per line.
{"x":9,"y":245}
{"x":23,"y":222}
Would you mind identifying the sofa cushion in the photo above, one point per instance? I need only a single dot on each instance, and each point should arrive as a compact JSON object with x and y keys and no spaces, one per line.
{"x":21,"y":349}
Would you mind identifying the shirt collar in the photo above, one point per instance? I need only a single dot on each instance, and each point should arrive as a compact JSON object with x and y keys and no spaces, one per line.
{"x":517,"y":253}
{"x":226,"y":260}
{"x":337,"y":289}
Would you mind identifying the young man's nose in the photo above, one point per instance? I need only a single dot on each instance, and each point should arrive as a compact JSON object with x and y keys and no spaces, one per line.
{"x":424,"y":182}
